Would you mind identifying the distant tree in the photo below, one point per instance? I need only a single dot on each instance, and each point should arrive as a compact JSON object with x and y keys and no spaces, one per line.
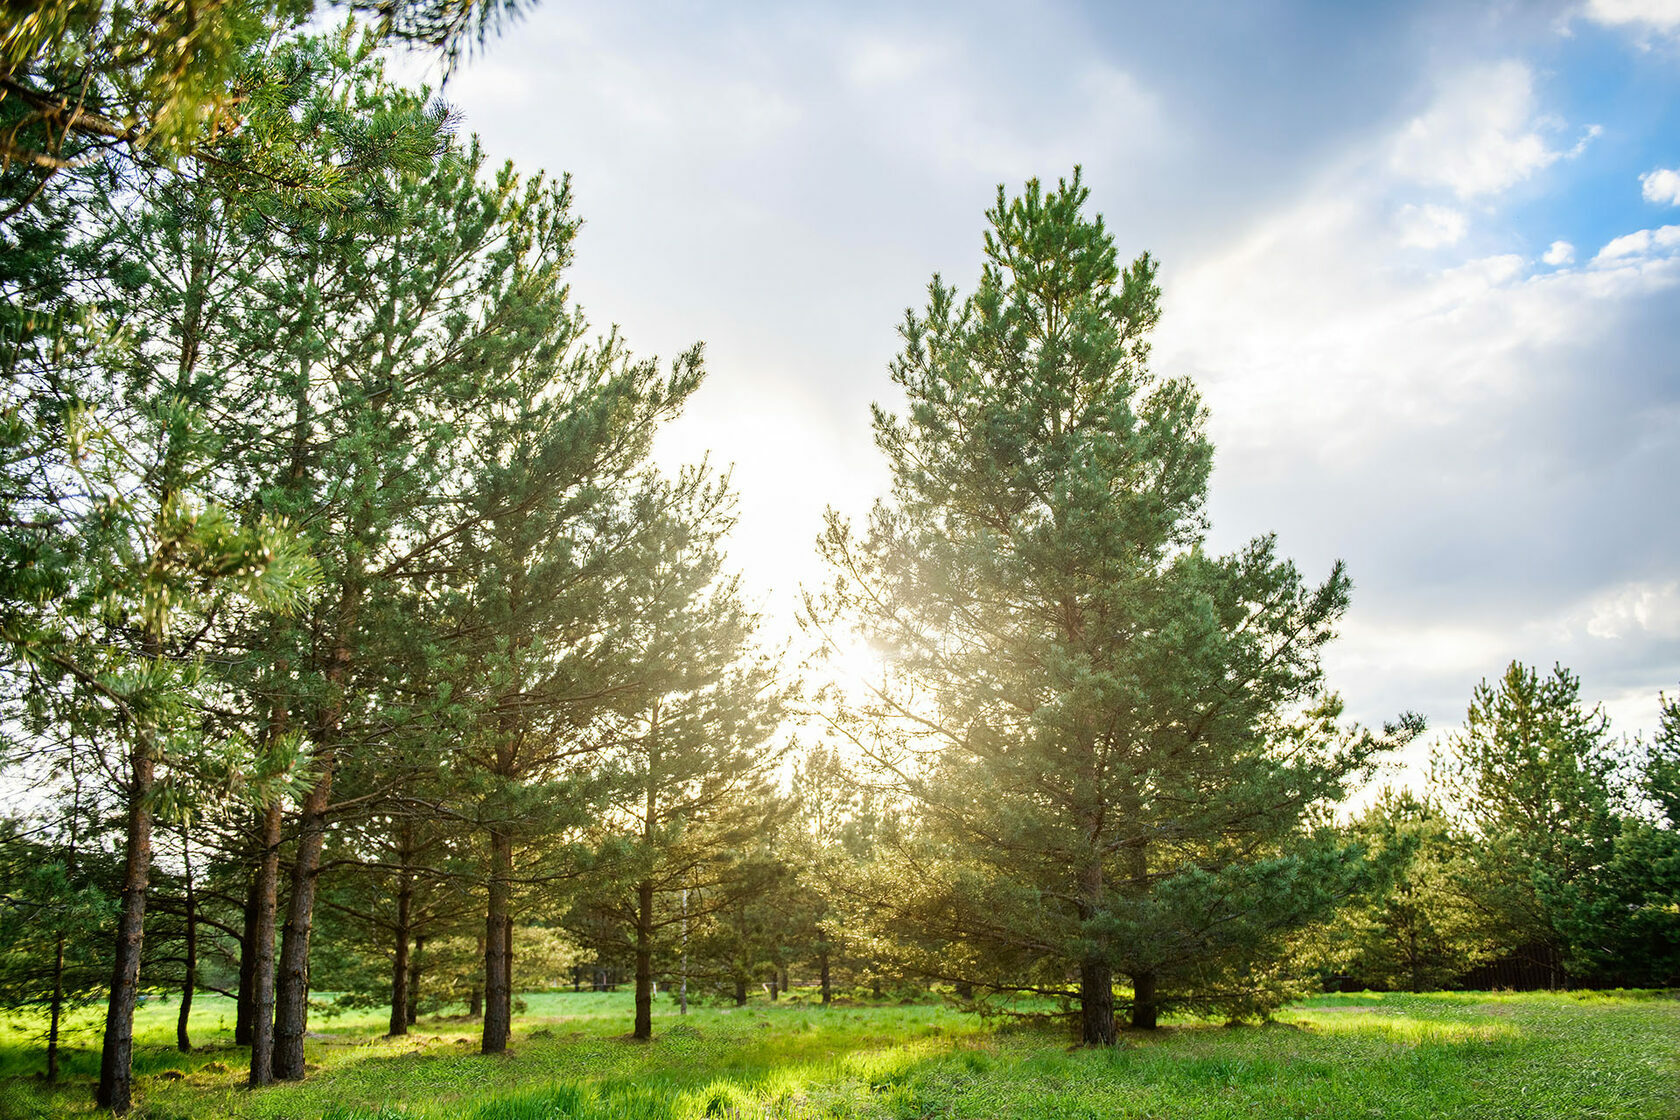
{"x":690,"y":763}
{"x":746,"y":933}
{"x":1117,"y":742}
{"x":56,"y":884}
{"x":1621,"y":918}
{"x":830,"y":841}
{"x":1532,"y":775}
{"x":1413,"y":931}
{"x":541,"y":551}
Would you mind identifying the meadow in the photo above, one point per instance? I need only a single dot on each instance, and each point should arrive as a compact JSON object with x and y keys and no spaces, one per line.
{"x":1545,"y":1055}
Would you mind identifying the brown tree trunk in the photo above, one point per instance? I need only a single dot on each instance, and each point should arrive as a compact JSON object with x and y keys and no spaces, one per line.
{"x":1145,"y":1002}
{"x":1096,"y":1002}
{"x":244,"y":1005}
{"x":498,"y":929}
{"x":1096,"y":976}
{"x":291,"y":988}
{"x":116,"y":1060}
{"x":399,"y":961}
{"x":822,"y":968}
{"x":183,"y":1040}
{"x":291,"y":996}
{"x":267,"y":892}
{"x":644,"y":961}
{"x":740,"y":992}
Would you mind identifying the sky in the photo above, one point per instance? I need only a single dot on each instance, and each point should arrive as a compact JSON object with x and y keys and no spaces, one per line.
{"x":1422,"y":260}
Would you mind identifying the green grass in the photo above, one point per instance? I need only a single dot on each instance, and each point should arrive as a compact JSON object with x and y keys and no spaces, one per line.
{"x":1458,"y":1055}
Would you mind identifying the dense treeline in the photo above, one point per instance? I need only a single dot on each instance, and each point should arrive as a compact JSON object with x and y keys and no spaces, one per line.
{"x":356,"y":654}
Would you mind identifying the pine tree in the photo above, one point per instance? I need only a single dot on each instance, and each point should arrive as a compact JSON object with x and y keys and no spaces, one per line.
{"x":1116,"y":740}
{"x":1531,"y":774}
{"x":1414,"y":931}
{"x":690,"y":761}
{"x":1620,"y":917}
{"x":540,"y":552}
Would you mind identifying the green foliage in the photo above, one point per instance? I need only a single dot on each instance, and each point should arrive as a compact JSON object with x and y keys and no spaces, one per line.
{"x":1414,"y":930}
{"x":1621,"y":920}
{"x":170,"y":79}
{"x":1118,"y":742}
{"x":51,"y":894}
{"x":1531,"y":774}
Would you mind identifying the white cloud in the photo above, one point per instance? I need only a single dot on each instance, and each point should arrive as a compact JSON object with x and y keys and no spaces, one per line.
{"x":1480,"y":136}
{"x":1560,"y":253}
{"x":876,"y":62}
{"x":1640,"y":243}
{"x":1658,"y":15}
{"x":1636,"y":608}
{"x":1661,"y":186}
{"x":1430,"y":226}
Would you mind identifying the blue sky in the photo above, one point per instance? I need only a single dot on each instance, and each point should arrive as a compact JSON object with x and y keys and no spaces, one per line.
{"x":1359,"y":210}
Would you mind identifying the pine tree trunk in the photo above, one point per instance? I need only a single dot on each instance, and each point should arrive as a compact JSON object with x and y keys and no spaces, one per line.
{"x":498,"y":926}
{"x":827,"y":987}
{"x":399,"y":961}
{"x":183,"y":1040}
{"x":291,"y":989}
{"x":267,"y":891}
{"x":1145,"y":1002}
{"x":1096,"y":1002}
{"x":116,"y":1061}
{"x":644,"y":961}
{"x":740,"y":992}
{"x":243,"y":1004}
{"x":291,"y":996}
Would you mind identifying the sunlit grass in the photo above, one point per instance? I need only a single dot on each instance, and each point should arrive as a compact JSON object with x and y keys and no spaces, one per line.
{"x":1462,"y":1054}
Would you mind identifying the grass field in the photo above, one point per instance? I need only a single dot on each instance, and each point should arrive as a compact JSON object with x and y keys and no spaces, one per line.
{"x":1450,"y":1055}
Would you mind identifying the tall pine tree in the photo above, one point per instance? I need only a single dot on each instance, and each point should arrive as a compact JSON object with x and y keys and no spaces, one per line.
{"x":1116,"y":740}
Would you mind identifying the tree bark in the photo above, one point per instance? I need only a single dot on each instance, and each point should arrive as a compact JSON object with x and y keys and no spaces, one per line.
{"x":740,"y":992}
{"x":291,"y":997}
{"x":498,"y":928}
{"x":244,"y":1008}
{"x":1096,"y":1002}
{"x":827,"y":987}
{"x":1145,"y":1002}
{"x":291,"y":989}
{"x":1096,"y":976}
{"x":267,"y":891}
{"x":644,"y":961}
{"x":183,"y":1040}
{"x":399,"y":961}
{"x":116,"y":1061}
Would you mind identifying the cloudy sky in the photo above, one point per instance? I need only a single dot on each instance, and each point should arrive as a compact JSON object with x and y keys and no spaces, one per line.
{"x":1423,"y":260}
